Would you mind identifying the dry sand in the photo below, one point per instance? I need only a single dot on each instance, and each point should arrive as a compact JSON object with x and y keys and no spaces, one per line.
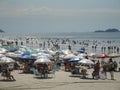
{"x":61,"y":81}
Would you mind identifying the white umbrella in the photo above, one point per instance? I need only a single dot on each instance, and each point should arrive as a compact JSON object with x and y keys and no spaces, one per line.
{"x":82,"y":55}
{"x":41,"y":56}
{"x":92,"y":55}
{"x":75,"y":59}
{"x":44,"y":54}
{"x":1,"y":55}
{"x":67,"y":52}
{"x":69,"y":56}
{"x":86,"y":61}
{"x":42,"y":60}
{"x":2,"y":50}
{"x":12,"y":54}
{"x":5,"y":60}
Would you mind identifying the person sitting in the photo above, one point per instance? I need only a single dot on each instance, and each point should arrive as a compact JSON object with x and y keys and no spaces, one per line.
{"x":84,"y":72}
{"x":9,"y":76}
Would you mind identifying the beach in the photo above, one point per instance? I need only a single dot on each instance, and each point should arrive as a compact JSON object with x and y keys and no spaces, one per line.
{"x":61,"y":81}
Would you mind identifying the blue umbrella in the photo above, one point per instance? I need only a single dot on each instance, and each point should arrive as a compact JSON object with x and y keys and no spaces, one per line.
{"x":27,"y":57}
{"x":26,"y":53}
{"x":76,"y":59}
{"x":81,"y":51}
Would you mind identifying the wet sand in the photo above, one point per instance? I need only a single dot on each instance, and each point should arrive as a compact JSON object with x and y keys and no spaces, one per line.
{"x":61,"y":81}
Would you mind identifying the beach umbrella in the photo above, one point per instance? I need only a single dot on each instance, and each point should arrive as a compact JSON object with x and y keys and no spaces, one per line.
{"x":92,"y":55}
{"x":58,"y":52}
{"x":86,"y":61}
{"x":82,"y":55}
{"x":6,"y":60}
{"x":34,"y":55}
{"x":43,"y":51}
{"x":26,"y":53}
{"x":12,"y":55}
{"x":45,"y":54}
{"x":52,"y":52}
{"x":67,"y":52}
{"x":3,"y":51}
{"x":1,"y":55}
{"x":103,"y":56}
{"x":42,"y":60}
{"x":76,"y":59}
{"x":69,"y":56}
{"x":81,"y":51}
{"x":10,"y":48}
{"x":27,"y":57}
{"x":61,"y":56}
{"x":42,"y":56}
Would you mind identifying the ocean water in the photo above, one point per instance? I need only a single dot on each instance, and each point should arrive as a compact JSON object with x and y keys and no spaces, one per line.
{"x":91,"y":38}
{"x":74,"y":35}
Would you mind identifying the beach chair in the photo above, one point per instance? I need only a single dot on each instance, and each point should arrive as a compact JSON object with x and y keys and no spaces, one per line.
{"x":35,"y":72}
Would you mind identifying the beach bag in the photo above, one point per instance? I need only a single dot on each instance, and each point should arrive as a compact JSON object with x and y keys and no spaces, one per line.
{"x":102,"y":74}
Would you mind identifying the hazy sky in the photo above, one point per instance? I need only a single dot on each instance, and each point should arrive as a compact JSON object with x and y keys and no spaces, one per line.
{"x":59,"y":15}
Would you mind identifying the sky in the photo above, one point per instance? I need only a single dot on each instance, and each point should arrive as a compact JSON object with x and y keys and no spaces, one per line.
{"x":35,"y":16}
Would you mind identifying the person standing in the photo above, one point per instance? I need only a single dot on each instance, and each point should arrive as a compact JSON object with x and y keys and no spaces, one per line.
{"x":104,"y":67}
{"x":97,"y":69}
{"x":111,"y":68}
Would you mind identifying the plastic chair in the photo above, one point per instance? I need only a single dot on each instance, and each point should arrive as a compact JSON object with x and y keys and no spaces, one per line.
{"x":35,"y":72}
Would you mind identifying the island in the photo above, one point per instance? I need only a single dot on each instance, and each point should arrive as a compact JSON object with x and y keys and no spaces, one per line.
{"x":1,"y":31}
{"x":108,"y":30}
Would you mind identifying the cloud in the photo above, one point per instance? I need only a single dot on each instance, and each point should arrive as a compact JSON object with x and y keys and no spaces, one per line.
{"x":54,"y":12}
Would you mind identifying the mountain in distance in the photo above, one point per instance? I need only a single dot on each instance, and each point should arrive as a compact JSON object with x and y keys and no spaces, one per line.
{"x":1,"y":31}
{"x":108,"y":30}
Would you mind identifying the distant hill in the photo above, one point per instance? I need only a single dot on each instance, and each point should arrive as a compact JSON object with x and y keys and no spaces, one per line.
{"x":1,"y":31}
{"x":108,"y":30}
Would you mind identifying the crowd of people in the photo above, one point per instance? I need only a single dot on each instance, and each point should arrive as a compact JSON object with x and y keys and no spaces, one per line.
{"x":100,"y":68}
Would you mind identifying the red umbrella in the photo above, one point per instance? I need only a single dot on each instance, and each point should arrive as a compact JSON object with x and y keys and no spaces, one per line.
{"x":103,"y":56}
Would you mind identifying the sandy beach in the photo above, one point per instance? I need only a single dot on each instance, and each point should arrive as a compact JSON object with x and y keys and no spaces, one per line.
{"x":61,"y":81}
{"x":59,"y":45}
